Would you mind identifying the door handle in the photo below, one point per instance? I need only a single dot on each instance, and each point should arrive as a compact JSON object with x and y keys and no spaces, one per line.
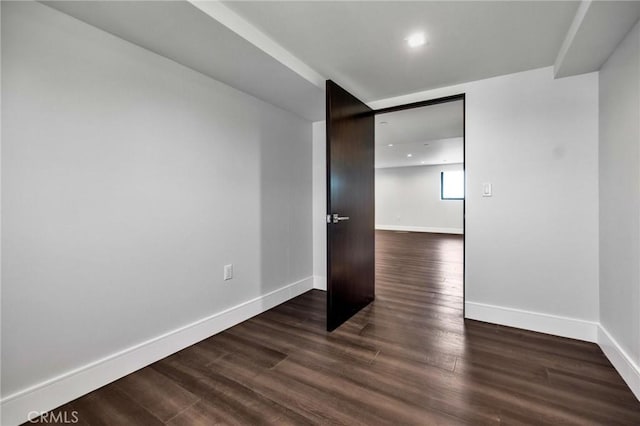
{"x":337,"y":218}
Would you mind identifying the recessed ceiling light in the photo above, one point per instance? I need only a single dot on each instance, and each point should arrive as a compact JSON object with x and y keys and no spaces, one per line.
{"x":444,"y":161}
{"x":422,"y":162}
{"x":390,"y":144}
{"x":416,"y":39}
{"x":409,"y":155}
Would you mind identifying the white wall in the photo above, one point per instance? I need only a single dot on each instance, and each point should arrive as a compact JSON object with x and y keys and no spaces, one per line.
{"x":533,"y":246}
{"x":620,"y":201}
{"x":128,"y":181}
{"x":408,"y":198}
{"x":319,"y":205}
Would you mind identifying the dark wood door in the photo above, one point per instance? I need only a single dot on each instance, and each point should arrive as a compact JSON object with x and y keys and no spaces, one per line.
{"x":350,"y":205}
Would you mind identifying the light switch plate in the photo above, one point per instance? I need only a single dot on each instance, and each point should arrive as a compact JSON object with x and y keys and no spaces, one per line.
{"x":486,"y":190}
{"x":228,"y":272}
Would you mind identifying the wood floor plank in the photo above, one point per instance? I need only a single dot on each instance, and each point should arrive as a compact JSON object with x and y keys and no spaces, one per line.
{"x":234,"y":399}
{"x":407,"y":358}
{"x":160,"y":395}
{"x":108,"y":406}
{"x":313,"y":402}
{"x":203,"y":413}
{"x":386,"y":409}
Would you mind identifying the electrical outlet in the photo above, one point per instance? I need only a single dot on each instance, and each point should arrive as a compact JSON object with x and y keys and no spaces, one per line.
{"x":228,"y":272}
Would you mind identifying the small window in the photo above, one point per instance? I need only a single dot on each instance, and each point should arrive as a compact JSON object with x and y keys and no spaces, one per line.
{"x":452,"y":185}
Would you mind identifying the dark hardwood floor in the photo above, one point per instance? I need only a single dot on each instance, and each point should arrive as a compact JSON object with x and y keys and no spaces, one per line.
{"x":408,"y":358}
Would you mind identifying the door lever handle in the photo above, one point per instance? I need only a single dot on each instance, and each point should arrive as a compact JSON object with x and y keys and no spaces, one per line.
{"x":337,"y":218}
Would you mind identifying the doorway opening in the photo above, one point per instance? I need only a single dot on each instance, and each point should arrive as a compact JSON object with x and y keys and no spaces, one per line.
{"x":420,"y":203}
{"x":351,"y":201}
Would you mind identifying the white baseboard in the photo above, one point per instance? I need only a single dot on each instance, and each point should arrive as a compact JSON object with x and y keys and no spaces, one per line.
{"x":534,"y":321}
{"x":622,"y":362}
{"x":68,"y":386}
{"x":420,"y":229}
{"x":320,"y":282}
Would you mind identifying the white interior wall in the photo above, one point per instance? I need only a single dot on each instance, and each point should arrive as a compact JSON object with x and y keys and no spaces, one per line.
{"x":319,"y":223}
{"x":619,"y":159}
{"x":533,"y":245}
{"x":128,"y":181}
{"x":408,"y":199}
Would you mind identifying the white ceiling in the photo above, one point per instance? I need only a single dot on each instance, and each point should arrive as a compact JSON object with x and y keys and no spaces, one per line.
{"x":182,"y":32}
{"x":281,"y":52}
{"x":361,"y":45}
{"x":596,"y":30}
{"x":432,"y":135}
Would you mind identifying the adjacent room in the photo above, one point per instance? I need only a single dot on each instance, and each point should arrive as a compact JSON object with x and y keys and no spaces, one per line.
{"x":317,"y":212}
{"x":419,"y":206}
